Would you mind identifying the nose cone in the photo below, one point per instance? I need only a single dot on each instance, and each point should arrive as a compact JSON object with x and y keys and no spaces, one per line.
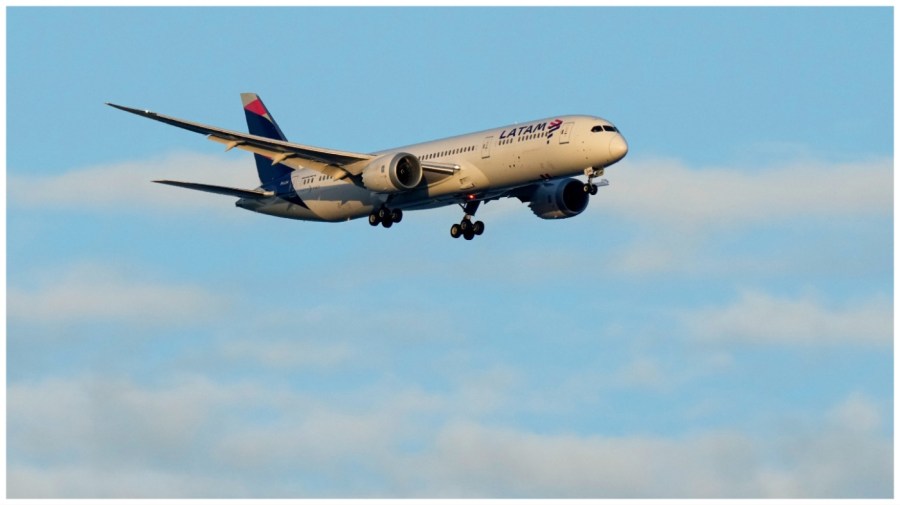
{"x":617,"y":148}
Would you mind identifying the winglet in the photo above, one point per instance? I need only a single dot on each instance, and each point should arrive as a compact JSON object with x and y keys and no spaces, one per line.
{"x":139,"y":112}
{"x":221,"y":190}
{"x":187,"y":125}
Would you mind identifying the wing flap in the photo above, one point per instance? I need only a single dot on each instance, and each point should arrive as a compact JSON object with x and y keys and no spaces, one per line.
{"x":288,"y":153}
{"x":284,"y":158}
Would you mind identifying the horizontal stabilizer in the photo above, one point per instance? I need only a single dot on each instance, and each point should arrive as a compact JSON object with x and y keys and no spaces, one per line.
{"x":221,"y":190}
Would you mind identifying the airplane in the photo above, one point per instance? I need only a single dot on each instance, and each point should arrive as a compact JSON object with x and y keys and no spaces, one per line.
{"x":535,"y":161}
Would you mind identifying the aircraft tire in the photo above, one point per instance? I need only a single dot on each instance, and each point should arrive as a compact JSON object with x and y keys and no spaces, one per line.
{"x":387,"y":223}
{"x":373,"y":219}
{"x":593,"y":189}
{"x":382,"y":213}
{"x":455,"y":232}
{"x":478,"y":228}
{"x":396,"y":215}
{"x":465,"y":225}
{"x":469,"y":234}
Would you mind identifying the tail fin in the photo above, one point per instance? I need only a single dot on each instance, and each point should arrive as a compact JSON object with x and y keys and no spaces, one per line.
{"x":261,"y":123}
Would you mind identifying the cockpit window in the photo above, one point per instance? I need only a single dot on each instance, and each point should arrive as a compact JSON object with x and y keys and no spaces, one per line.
{"x":604,"y":127}
{"x":597,"y":128}
{"x":610,"y":128}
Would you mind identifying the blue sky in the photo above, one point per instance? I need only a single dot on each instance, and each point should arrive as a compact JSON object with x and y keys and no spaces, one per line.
{"x":718,"y":323}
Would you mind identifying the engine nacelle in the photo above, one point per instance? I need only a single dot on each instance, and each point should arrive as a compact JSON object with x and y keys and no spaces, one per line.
{"x":392,"y":172}
{"x":559,"y":199}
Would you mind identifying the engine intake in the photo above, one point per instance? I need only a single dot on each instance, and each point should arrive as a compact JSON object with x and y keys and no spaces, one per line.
{"x":392,"y":172}
{"x":559,"y":199}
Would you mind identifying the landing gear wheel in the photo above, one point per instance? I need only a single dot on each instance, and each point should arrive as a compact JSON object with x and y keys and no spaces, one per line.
{"x":593,"y":189}
{"x":396,"y":215}
{"x":373,"y":219}
{"x":587,"y":187}
{"x":387,"y":223}
{"x":466,"y":228}
{"x":383,"y":213}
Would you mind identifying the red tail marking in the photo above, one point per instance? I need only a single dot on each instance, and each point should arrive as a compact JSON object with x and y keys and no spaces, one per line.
{"x":256,"y":107}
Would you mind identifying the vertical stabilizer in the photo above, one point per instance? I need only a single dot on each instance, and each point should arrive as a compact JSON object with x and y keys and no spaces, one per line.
{"x":261,"y":123}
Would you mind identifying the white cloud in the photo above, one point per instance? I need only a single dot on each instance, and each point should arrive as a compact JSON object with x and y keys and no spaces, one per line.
{"x":190,"y":437}
{"x":472,"y":460}
{"x":103,"y":293}
{"x":289,"y":353}
{"x":664,"y":192}
{"x":857,"y":412}
{"x":127,"y":186}
{"x":79,"y":480}
{"x":477,"y":461}
{"x":761,"y":318}
{"x":682,"y":217}
{"x":643,"y":372}
{"x":102,"y":437}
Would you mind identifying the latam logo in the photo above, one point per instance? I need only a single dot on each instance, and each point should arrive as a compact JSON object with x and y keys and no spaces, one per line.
{"x":554,"y":125}
{"x":532,"y":128}
{"x":256,"y":107}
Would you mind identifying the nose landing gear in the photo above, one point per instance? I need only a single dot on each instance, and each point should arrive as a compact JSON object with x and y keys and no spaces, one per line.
{"x":589,"y":186}
{"x":466,"y":228}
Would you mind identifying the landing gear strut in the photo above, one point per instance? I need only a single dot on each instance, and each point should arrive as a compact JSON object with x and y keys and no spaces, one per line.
{"x":466,"y":228}
{"x":589,"y":186}
{"x":385,"y":217}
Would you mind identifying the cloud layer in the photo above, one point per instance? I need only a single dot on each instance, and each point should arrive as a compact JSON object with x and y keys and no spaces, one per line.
{"x":760,"y":318}
{"x":288,"y":393}
{"x":95,"y":437}
{"x":666,"y":193}
{"x":90,"y":292}
{"x":128,"y":186}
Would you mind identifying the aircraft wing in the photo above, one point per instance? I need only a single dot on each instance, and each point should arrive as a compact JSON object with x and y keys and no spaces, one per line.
{"x":220,"y":190}
{"x":335,"y":164}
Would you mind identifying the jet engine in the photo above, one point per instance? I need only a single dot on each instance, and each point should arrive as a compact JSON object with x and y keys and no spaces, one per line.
{"x":559,"y":199}
{"x":392,"y":172}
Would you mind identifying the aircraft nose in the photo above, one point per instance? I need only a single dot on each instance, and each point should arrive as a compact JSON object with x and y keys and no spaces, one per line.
{"x":618,"y":148}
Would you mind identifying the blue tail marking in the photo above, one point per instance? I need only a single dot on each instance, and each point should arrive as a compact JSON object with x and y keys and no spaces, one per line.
{"x":261,"y":123}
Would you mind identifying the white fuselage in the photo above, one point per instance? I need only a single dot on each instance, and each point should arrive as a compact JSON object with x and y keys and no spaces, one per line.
{"x":479,"y":165}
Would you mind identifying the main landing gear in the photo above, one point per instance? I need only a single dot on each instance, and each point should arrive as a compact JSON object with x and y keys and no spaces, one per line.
{"x":466,"y":228}
{"x":385,"y":217}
